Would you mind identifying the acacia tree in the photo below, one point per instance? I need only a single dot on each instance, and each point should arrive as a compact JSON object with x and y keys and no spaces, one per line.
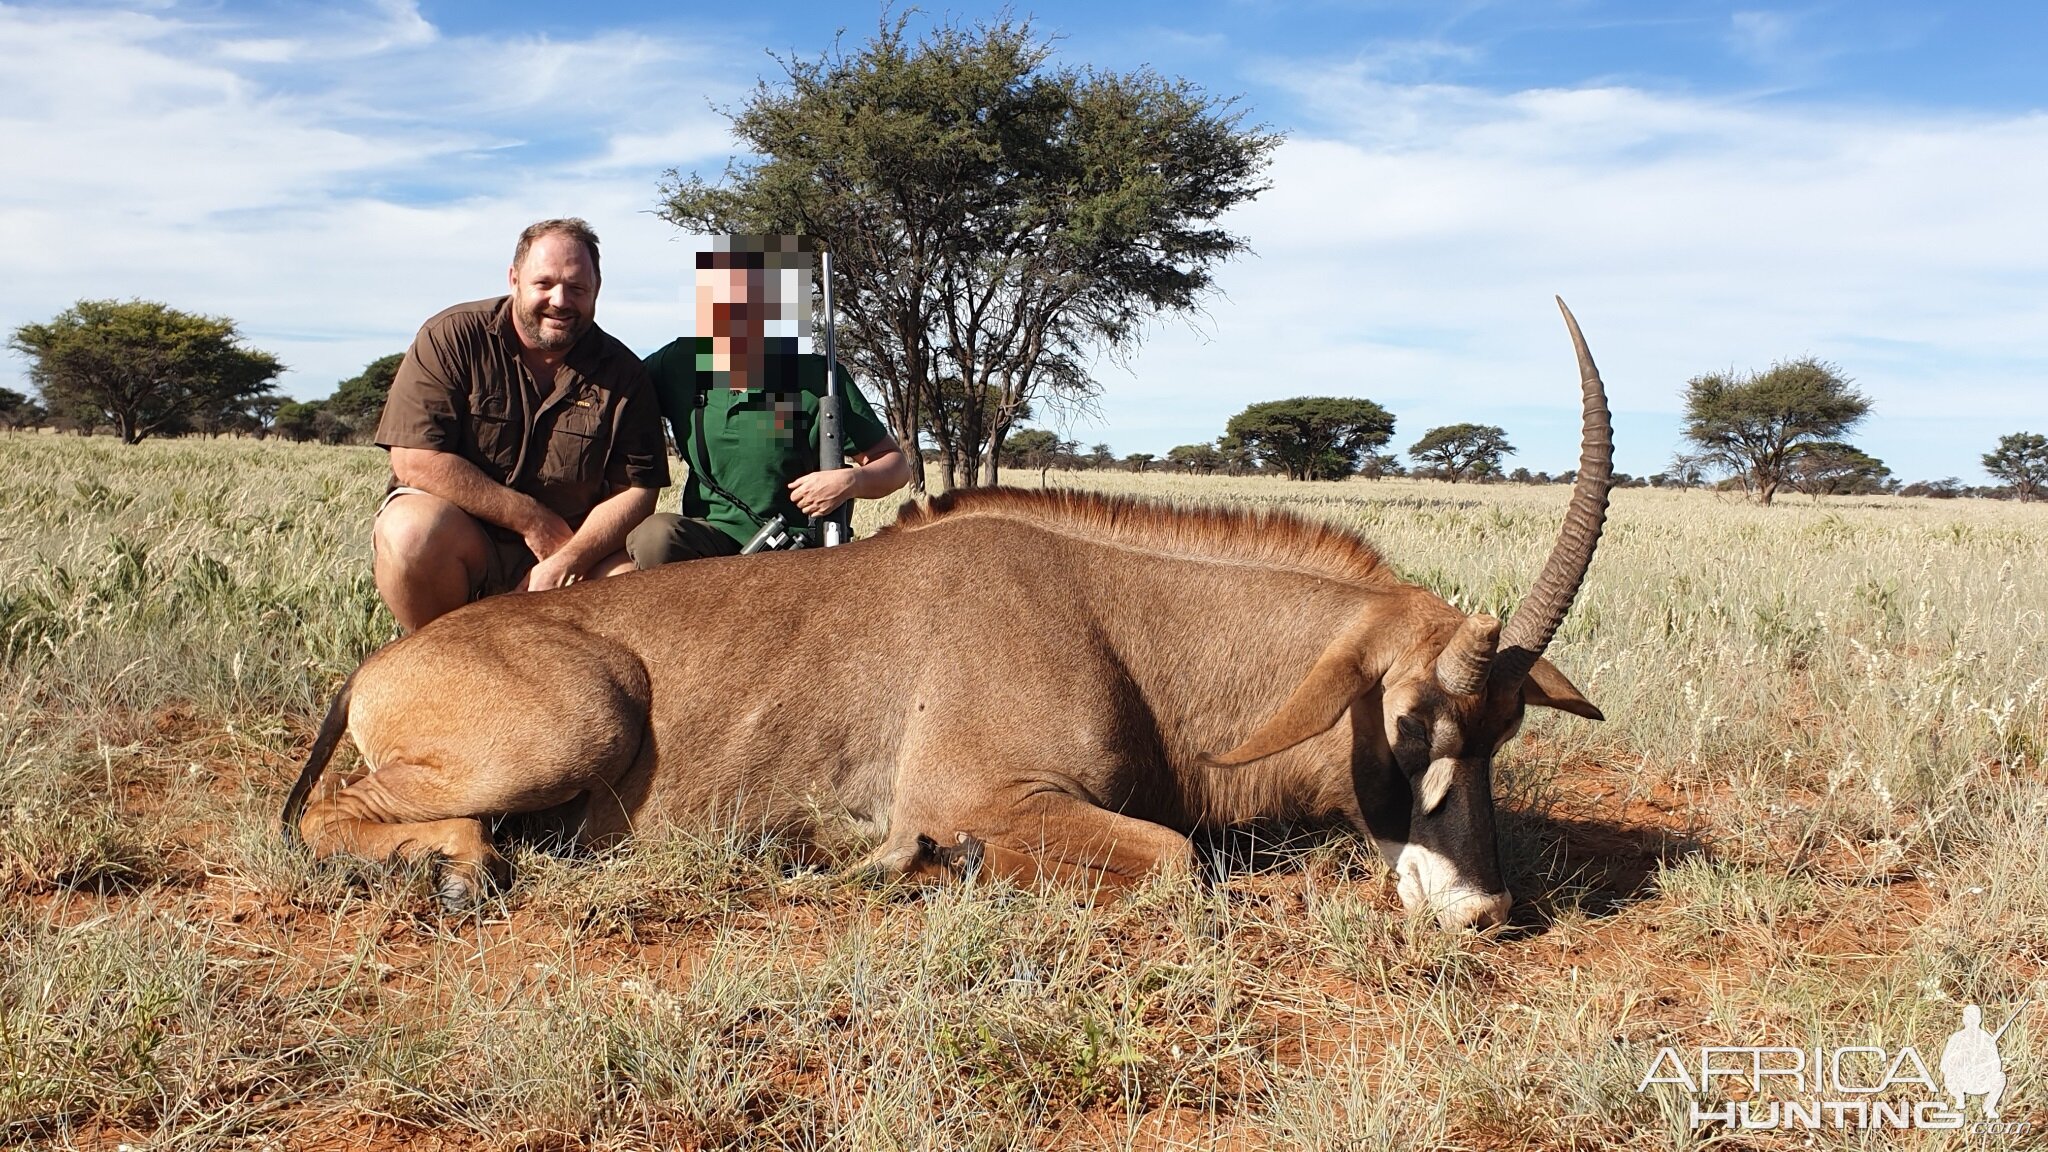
{"x":1039,"y":448}
{"x":2021,"y":461}
{"x":1200,"y":459}
{"x":297,"y":420}
{"x":1233,"y":456}
{"x":1832,"y":468}
{"x":994,"y":221}
{"x":1380,"y":465}
{"x":1751,"y":425}
{"x":141,"y":366}
{"x":1462,"y":451}
{"x":359,"y":400}
{"x":18,"y":411}
{"x":1312,"y":437}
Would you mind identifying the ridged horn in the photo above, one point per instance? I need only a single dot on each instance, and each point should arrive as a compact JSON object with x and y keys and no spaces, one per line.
{"x":1542,"y":611}
{"x":1461,"y":666}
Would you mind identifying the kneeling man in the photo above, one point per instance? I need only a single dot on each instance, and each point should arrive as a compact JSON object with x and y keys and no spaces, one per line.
{"x":525,"y":441}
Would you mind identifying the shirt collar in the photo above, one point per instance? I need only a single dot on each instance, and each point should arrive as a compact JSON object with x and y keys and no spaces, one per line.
{"x":777,"y":365}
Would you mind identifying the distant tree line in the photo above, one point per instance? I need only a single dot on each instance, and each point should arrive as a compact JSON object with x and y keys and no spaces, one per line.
{"x":1756,"y":433}
{"x":139,"y":369}
{"x":349,"y":415}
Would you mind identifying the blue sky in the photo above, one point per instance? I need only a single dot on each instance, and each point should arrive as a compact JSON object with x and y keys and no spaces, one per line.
{"x":1709,"y":185}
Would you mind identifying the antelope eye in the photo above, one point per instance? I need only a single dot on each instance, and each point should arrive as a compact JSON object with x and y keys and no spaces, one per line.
{"x":1411,"y":742}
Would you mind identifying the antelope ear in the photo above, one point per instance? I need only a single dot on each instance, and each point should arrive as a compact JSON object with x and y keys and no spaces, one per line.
{"x":1311,"y":710}
{"x":1546,"y":687}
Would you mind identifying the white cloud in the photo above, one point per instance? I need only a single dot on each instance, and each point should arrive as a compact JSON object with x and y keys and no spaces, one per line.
{"x":1412,"y":257}
{"x":331,"y":187}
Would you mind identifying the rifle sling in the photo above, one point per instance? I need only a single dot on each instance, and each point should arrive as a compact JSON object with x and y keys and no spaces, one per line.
{"x":704,"y":454}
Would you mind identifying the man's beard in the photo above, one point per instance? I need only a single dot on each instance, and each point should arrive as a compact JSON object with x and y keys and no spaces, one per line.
{"x":546,"y":339}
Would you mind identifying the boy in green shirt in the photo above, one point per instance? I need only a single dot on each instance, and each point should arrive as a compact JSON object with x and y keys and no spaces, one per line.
{"x":743,"y":407}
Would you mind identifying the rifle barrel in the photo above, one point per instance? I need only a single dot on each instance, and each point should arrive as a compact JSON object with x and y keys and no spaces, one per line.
{"x":836,"y":524}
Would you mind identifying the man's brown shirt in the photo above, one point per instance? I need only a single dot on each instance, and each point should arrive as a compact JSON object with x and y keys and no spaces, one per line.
{"x":462,"y":389}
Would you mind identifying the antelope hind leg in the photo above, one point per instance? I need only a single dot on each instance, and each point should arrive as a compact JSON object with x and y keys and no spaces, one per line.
{"x":391,"y":814}
{"x":1050,"y":839}
{"x":1056,"y":839}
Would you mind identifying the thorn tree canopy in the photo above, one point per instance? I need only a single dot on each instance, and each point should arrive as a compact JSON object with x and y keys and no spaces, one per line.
{"x":18,"y":411}
{"x":1750,"y":425}
{"x":1312,"y":437}
{"x":1039,"y":448}
{"x":361,"y":397}
{"x":993,"y":219}
{"x":1831,"y":468}
{"x":1200,"y":459}
{"x":1462,"y":451}
{"x":143,"y":367}
{"x":2021,"y":461}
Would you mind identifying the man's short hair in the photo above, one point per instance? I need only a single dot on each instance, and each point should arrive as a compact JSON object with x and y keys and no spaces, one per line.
{"x":748,"y":250}
{"x":574,"y":227}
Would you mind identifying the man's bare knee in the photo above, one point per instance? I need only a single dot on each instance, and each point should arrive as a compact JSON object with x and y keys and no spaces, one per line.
{"x":430,"y":556}
{"x":417,"y":531}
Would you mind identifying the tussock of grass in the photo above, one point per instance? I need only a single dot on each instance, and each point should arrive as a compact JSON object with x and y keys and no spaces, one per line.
{"x":135,"y":1020}
{"x":59,"y":829}
{"x":664,"y":878}
{"x":47,"y":842}
{"x":1713,"y":899}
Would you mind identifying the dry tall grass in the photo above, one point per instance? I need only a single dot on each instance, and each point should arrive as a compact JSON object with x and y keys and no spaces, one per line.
{"x":1817,"y":816}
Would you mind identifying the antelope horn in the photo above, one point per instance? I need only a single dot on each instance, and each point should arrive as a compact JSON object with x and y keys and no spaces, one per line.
{"x":1542,"y":611}
{"x":1461,"y":666}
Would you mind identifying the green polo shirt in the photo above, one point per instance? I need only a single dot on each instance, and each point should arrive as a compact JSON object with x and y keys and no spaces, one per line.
{"x":759,"y":440}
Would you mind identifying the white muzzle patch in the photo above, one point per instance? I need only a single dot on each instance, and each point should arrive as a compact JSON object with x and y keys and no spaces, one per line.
{"x":1430,"y":882}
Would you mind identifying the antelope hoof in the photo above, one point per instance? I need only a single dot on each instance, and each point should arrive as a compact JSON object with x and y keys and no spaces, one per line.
{"x":962,"y":858}
{"x":464,"y":887}
{"x":460,"y":894}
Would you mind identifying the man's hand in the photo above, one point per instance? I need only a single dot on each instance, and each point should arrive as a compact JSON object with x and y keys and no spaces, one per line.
{"x":592,"y":550}
{"x":554,"y":571}
{"x":545,"y":532}
{"x":820,"y":492}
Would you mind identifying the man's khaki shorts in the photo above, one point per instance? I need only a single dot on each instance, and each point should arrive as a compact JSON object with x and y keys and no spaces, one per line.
{"x":506,"y":557}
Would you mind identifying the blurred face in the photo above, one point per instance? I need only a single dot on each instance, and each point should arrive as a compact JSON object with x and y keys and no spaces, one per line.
{"x":554,"y":294}
{"x":732,"y":305}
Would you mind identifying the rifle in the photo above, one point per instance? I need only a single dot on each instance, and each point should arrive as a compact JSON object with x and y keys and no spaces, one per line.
{"x":837,"y":525}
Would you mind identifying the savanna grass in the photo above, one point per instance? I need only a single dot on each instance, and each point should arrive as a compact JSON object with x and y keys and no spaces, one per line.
{"x":1816,"y":815}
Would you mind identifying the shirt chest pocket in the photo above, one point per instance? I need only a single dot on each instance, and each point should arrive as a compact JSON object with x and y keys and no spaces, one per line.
{"x":495,"y":434}
{"x":576,"y":444}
